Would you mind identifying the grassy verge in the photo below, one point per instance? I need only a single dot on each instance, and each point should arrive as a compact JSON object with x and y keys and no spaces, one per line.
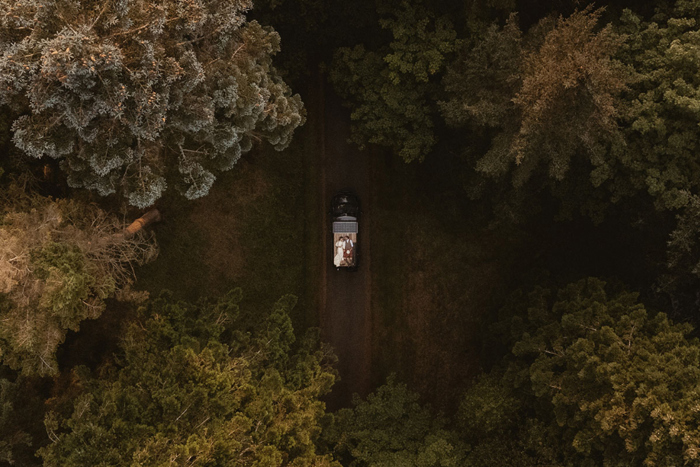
{"x":311,"y":158}
{"x":249,"y":232}
{"x":436,"y":269}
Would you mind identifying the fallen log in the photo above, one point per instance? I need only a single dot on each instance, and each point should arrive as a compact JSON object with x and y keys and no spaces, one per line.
{"x":151,"y":216}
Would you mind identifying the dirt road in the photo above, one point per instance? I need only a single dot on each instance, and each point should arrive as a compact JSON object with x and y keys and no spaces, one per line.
{"x":345,"y":299}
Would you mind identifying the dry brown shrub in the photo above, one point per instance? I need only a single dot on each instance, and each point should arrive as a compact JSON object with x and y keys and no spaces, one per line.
{"x":39,"y":308}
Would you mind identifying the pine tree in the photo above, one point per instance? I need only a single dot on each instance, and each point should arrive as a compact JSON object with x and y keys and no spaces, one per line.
{"x":596,"y":379}
{"x":194,"y":385}
{"x":137,"y":95}
{"x":522,"y":88}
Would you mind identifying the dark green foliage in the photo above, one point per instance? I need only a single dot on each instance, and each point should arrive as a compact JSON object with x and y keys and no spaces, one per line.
{"x":482,"y":82}
{"x":12,"y":436}
{"x":487,"y":409}
{"x":680,"y":281}
{"x":684,"y":251}
{"x":134,"y":96}
{"x":492,"y":420}
{"x":613,"y":383}
{"x":392,"y":429}
{"x":196,"y":385}
{"x":392,"y":90}
{"x":662,"y":107}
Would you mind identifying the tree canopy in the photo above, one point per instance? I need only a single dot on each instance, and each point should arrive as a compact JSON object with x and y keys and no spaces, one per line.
{"x":59,"y":261}
{"x":194,"y":384}
{"x":392,"y":429}
{"x":561,"y":71}
{"x":516,"y":89}
{"x":590,"y":367}
{"x":135,"y":96}
{"x":393,"y":90}
{"x":661,"y":106}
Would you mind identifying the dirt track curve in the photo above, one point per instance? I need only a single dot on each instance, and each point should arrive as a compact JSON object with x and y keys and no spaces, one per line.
{"x":345,"y":297}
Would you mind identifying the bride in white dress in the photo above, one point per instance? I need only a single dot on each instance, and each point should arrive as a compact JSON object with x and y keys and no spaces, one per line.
{"x":338,"y":258}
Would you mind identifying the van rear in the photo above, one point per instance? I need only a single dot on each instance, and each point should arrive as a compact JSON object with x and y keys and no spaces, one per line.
{"x":345,"y":243}
{"x":345,"y":210}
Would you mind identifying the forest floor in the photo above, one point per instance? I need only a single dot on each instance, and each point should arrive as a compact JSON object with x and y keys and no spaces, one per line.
{"x":415,"y":308}
{"x":438,"y":273}
{"x":251,"y":231}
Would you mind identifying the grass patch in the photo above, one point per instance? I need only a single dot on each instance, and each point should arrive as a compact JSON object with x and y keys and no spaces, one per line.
{"x":249,"y":232}
{"x":436,"y":269}
{"x":311,"y":160}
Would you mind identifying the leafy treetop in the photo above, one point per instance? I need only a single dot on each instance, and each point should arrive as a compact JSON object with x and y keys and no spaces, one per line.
{"x":593,"y":369}
{"x":547,"y":100}
{"x":195,"y":386}
{"x":136,"y":95}
{"x":393,"y":89}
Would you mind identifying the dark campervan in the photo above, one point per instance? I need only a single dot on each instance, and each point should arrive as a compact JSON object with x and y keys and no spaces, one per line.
{"x":345,"y":211}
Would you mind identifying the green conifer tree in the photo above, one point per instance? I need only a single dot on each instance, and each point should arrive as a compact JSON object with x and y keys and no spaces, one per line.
{"x":193,"y":385}
{"x":596,"y":379}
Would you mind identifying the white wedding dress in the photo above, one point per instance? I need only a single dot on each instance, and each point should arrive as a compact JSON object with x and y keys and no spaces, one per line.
{"x":338,"y":258}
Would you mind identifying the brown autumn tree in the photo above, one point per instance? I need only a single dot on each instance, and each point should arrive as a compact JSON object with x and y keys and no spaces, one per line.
{"x":546,"y":99}
{"x":59,"y":261}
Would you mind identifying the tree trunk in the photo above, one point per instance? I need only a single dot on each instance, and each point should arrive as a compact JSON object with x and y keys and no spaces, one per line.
{"x":151,"y":216}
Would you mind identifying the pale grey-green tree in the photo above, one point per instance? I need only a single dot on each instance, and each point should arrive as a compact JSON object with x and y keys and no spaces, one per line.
{"x":133,"y":96}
